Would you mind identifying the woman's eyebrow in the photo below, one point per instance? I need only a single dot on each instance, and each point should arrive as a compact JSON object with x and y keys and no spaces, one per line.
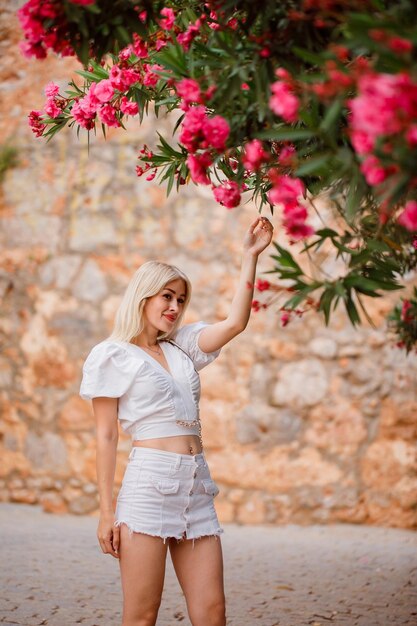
{"x":172,"y":291}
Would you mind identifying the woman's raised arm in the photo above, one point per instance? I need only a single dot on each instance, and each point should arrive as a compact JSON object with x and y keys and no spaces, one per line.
{"x":215,"y":336}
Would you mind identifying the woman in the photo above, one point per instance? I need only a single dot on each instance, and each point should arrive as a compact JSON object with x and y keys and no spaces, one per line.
{"x":146,"y":376}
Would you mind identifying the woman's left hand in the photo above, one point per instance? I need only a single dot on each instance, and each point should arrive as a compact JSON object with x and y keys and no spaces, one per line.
{"x":258,"y":236}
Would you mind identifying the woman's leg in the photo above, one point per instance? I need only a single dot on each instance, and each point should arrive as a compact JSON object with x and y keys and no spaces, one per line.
{"x":199,"y":569}
{"x":142,"y":568}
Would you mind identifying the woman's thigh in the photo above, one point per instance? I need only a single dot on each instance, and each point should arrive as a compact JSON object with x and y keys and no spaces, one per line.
{"x":199,"y":567}
{"x":142,"y":568}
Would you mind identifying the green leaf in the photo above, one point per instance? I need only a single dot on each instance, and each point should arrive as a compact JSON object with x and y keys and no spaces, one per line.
{"x":307,"y":55}
{"x":285,"y":258}
{"x":355,"y":194}
{"x":352,"y":311}
{"x":313,"y":165}
{"x":326,"y":301}
{"x":331,"y":116}
{"x":285,"y":134}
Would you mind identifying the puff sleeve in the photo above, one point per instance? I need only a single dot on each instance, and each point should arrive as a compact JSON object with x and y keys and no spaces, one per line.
{"x":187,"y":338}
{"x":108,"y":372}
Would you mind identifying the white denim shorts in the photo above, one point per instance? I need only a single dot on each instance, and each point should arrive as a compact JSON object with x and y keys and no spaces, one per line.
{"x":165,"y":494}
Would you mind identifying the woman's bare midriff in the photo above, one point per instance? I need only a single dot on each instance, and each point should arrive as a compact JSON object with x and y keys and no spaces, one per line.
{"x":181,"y":444}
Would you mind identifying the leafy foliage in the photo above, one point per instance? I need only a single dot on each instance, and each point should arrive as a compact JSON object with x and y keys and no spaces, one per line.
{"x":297,"y":77}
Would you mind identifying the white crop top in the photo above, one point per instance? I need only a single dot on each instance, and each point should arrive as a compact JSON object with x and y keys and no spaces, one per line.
{"x":152,"y":402}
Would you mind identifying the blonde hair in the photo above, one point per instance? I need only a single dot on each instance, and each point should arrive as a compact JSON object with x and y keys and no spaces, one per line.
{"x":148,"y":280}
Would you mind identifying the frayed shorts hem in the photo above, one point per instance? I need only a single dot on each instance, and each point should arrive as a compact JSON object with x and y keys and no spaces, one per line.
{"x":180,"y":538}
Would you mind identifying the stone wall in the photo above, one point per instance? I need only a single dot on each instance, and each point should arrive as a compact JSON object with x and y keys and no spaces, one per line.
{"x":301,"y":424}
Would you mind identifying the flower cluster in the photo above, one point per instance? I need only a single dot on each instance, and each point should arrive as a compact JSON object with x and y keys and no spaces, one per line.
{"x":287,"y":191}
{"x":34,"y":17}
{"x":283,"y":101}
{"x":383,"y":121}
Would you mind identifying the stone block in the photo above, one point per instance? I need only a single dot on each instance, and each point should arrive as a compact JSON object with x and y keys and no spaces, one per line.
{"x":76,"y":414}
{"x":300,"y":384}
{"x":90,"y":284}
{"x":60,"y":271}
{"x":47,"y":453}
{"x":323,"y":347}
{"x":252,"y":511}
{"x":89,"y":232}
{"x":339,"y":428}
{"x":270,"y":426}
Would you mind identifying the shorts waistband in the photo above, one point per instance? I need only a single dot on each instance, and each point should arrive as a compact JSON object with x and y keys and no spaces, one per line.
{"x":172,"y":457}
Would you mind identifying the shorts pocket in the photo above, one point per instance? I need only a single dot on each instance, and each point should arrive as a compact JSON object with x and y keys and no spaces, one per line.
{"x":166,"y":486}
{"x":210,"y":487}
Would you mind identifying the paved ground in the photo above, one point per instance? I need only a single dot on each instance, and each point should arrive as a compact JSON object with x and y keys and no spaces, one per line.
{"x":53,"y":573}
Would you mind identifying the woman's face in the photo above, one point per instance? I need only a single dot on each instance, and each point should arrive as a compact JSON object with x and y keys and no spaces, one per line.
{"x":162,"y":310}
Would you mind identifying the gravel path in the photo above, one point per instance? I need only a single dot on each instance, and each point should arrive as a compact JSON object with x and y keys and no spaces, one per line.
{"x":54,"y":574}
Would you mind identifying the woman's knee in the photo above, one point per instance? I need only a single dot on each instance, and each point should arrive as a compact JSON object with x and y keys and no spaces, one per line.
{"x":209,"y":613}
{"x":142,"y":618}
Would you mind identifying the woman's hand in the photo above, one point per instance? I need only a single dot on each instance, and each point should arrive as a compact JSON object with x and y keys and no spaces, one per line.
{"x":258,"y":236}
{"x":108,"y":535}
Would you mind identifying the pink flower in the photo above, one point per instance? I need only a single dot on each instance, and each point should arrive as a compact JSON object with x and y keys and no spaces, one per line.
{"x":51,"y":108}
{"x":51,"y":90}
{"x":35,"y":123}
{"x":411,"y":135}
{"x":189,"y":90}
{"x":151,"y":176}
{"x":107,"y":115}
{"x":160,"y":43}
{"x":185,"y":39}
{"x":83,"y":2}
{"x":262,"y":285}
{"x":139,"y":47}
{"x":287,"y":156}
{"x":124,"y":54}
{"x":191,"y":133}
{"x":373,"y":171}
{"x":198,"y":164}
{"x":361,"y":142}
{"x":127,"y":107}
{"x":116,"y":78}
{"x":385,"y":105}
{"x":283,"y":102}
{"x":244,"y":87}
{"x":408,"y":218}
{"x":216,"y":132}
{"x":285,"y":190}
{"x":298,"y":229}
{"x":285,"y":318}
{"x":82,"y":117}
{"x":405,"y":315}
{"x":210,"y":91}
{"x":104,"y":91}
{"x":400,"y":45}
{"x":254,"y":155}
{"x":150,"y":78}
{"x":227,"y":194}
{"x":169,"y":20}
{"x":199,"y":131}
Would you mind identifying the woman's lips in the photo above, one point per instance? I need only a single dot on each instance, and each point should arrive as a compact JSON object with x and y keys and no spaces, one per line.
{"x":171,"y":319}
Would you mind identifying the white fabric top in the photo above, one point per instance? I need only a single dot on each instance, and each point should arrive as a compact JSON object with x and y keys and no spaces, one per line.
{"x":151,"y":400}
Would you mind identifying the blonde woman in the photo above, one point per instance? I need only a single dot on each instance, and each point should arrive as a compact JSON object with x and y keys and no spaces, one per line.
{"x":146,"y":376}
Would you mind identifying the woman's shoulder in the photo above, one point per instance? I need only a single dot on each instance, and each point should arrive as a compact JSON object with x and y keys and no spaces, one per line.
{"x":187,"y":339}
{"x":110,"y":350}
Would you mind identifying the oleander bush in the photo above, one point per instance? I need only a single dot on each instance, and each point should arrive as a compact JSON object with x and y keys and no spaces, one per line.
{"x":280,"y":103}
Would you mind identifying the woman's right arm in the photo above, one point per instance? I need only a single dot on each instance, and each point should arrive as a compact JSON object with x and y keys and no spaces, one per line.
{"x":105,"y":412}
